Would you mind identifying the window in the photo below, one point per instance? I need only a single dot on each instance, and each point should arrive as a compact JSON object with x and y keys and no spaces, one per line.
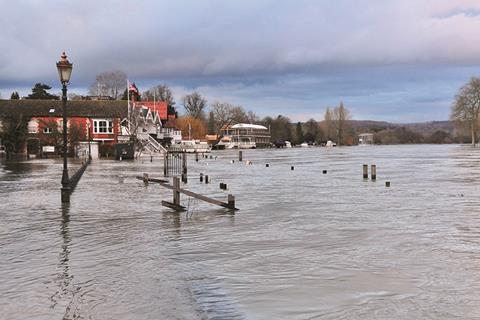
{"x":47,"y":130}
{"x":33,"y":126}
{"x":102,"y":126}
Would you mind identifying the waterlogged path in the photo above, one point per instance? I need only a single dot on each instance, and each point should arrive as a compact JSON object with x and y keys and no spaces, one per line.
{"x":305,"y":245}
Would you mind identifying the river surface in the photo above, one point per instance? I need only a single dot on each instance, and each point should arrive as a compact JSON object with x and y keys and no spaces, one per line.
{"x":304,"y":245}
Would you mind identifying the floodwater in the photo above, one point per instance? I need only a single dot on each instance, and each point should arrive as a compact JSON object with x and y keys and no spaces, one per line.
{"x":304,"y":245}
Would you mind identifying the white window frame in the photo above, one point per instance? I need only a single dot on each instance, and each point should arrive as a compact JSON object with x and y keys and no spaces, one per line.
{"x":103,"y":126}
{"x":47,"y":130}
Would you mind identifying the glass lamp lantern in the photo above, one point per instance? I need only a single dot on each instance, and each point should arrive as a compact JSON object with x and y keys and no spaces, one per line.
{"x":64,"y":68}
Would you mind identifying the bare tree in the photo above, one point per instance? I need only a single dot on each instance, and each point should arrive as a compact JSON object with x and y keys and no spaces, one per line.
{"x":466,"y":108}
{"x":195,"y":105}
{"x":328,"y":127}
{"x":252,"y":117}
{"x":74,"y":96}
{"x":340,"y":117}
{"x":109,"y":83}
{"x":222,"y":115}
{"x":161,"y":93}
{"x":225,"y":114}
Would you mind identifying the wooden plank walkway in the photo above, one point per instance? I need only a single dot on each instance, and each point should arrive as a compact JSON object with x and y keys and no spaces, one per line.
{"x":230,"y":204}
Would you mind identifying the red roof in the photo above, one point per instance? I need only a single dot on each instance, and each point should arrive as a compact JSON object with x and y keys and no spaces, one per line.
{"x":159,"y":106}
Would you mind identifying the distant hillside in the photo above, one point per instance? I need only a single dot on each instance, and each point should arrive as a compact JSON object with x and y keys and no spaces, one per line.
{"x":419,"y":127}
{"x":430,"y":127}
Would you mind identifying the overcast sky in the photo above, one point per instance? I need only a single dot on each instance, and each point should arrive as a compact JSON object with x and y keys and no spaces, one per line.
{"x":395,"y":60}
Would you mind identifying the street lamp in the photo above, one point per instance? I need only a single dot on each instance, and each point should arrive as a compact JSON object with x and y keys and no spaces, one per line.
{"x":64,"y":68}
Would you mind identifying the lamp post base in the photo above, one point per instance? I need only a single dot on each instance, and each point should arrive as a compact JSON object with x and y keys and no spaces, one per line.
{"x":65,"y":194}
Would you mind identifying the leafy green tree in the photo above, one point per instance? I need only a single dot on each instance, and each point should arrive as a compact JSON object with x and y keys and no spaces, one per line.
{"x":312,"y":131}
{"x":14,"y":96}
{"x":14,"y":132}
{"x":280,"y":129}
{"x":299,"y":133}
{"x":39,"y":91}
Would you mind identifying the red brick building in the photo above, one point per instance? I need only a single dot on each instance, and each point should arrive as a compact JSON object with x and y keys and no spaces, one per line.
{"x":99,"y":121}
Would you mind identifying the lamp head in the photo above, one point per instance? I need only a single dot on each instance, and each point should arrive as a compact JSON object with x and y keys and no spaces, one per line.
{"x":64,"y":68}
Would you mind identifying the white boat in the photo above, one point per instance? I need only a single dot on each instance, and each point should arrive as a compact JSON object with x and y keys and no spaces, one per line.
{"x":330,"y":143}
{"x":304,"y":145}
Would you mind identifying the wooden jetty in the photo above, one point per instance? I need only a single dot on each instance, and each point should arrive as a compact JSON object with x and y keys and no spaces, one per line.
{"x":175,"y":205}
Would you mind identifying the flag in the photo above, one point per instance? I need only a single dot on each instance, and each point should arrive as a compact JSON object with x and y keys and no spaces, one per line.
{"x":133,"y":88}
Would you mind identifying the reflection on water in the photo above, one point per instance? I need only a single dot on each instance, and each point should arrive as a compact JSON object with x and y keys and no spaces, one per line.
{"x":305,"y":245}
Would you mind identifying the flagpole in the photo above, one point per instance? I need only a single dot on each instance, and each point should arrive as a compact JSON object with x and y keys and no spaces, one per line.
{"x":128,"y":103}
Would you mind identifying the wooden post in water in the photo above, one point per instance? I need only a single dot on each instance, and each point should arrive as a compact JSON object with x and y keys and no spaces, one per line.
{"x":201,"y":177}
{"x":176,"y":191}
{"x":206,"y":179}
{"x":387,"y":184}
{"x":240,"y":156}
{"x":292,"y":168}
{"x":365,"y":171}
{"x":231,"y":201}
{"x":374,"y":172}
{"x":165,"y":164}
{"x":145,"y":178}
{"x":184,"y":167}
{"x":267,"y":165}
{"x":196,"y":156}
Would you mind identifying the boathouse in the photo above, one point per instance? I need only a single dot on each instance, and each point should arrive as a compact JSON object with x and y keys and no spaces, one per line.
{"x":365,"y":139}
{"x":245,"y":136}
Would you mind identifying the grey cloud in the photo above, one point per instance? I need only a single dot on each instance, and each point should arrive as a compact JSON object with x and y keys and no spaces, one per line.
{"x":304,"y":53}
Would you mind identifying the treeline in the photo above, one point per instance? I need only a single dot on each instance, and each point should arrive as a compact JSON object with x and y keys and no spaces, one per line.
{"x":405,"y":135}
{"x":199,"y":117}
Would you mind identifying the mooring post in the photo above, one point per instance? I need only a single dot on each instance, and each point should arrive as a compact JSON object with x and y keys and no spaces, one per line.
{"x":201,"y":177}
{"x":240,"y":156}
{"x":387,"y":184}
{"x":374,"y":172}
{"x":165,"y":164}
{"x":206,"y":179}
{"x":324,"y":171}
{"x":176,"y":191}
{"x":267,"y":165}
{"x":184,"y":167}
{"x":145,"y":179}
{"x":292,"y":168}
{"x":231,"y":201}
{"x":365,"y":171}
{"x":196,"y":156}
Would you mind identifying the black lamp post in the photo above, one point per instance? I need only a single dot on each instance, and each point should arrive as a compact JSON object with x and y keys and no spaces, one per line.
{"x":64,"y":71}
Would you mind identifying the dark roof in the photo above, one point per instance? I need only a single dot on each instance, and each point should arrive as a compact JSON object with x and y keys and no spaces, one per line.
{"x":84,"y":108}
